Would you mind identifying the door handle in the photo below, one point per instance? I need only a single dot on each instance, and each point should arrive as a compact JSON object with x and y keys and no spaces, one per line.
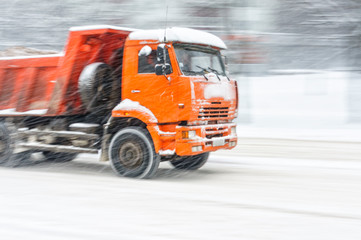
{"x":135,"y":91}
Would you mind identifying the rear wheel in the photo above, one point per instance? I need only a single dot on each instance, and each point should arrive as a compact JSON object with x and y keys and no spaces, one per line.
{"x":190,"y":162}
{"x":132,"y":154}
{"x":6,"y":144}
{"x":19,"y":159}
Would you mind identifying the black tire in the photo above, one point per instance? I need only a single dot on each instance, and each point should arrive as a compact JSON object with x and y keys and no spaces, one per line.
{"x":6,"y":144}
{"x":132,"y":154}
{"x":190,"y":162}
{"x":19,"y":159}
{"x":59,"y":157}
{"x":96,"y":87}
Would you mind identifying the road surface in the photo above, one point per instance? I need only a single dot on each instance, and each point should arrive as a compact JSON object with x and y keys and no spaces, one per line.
{"x":232,"y":197}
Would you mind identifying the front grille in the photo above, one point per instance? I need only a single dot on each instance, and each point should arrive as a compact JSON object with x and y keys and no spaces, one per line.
{"x":213,"y":113}
{"x":216,"y":132}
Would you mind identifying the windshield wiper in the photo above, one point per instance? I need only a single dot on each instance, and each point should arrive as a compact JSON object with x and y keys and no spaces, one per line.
{"x":204,"y":71}
{"x":216,"y":72}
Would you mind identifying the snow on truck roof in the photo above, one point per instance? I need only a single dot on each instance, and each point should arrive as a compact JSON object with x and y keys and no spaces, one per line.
{"x":177,"y":34}
{"x":173,"y":34}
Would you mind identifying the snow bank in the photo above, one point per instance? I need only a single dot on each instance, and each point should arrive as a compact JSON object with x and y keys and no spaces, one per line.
{"x":319,"y":100}
{"x":129,"y":105}
{"x":176,"y":34}
{"x":351,"y":134}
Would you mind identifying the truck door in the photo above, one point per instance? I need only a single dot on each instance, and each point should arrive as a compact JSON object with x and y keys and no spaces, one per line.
{"x":141,"y":84}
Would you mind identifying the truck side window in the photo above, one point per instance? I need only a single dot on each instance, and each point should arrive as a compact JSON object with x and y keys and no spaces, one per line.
{"x":146,"y":64}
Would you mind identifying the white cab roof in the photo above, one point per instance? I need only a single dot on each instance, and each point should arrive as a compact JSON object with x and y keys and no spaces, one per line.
{"x":176,"y":34}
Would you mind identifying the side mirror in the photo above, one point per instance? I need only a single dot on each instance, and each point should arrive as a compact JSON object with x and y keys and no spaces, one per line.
{"x":161,"y":54}
{"x":163,"y":69}
{"x":163,"y":66}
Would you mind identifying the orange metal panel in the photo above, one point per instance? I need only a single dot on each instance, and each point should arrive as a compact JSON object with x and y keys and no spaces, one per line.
{"x":25,"y":82}
{"x":19,"y":82}
{"x":156,"y":92}
{"x":51,"y":81}
{"x":83,"y":48}
{"x":33,"y":61}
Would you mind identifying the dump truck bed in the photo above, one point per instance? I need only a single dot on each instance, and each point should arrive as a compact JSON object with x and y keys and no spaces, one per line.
{"x":26,"y":83}
{"x":47,"y":85}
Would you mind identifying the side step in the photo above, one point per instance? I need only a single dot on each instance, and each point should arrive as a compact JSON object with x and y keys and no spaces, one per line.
{"x":64,"y":134}
{"x":57,"y":148}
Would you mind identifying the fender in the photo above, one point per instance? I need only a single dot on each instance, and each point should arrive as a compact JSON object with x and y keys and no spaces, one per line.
{"x":131,"y":109}
{"x":154,"y":133}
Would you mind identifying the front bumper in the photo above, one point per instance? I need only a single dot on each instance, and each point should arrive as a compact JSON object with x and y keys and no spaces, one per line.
{"x":208,"y":138}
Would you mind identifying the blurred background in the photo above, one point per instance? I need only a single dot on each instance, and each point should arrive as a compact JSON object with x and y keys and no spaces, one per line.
{"x":295,"y":173}
{"x":297,"y":61}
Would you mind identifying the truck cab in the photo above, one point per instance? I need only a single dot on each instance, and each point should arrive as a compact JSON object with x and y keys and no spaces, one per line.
{"x":191,"y":105}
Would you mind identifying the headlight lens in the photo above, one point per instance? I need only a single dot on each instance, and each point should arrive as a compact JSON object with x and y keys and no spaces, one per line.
{"x":189,"y":134}
{"x":192,"y":134}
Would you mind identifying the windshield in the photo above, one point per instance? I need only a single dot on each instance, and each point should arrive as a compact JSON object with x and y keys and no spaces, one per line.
{"x":199,"y":61}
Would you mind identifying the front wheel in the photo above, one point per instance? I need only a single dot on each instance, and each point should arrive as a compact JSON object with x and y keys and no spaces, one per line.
{"x":190,"y":162}
{"x":132,"y":154}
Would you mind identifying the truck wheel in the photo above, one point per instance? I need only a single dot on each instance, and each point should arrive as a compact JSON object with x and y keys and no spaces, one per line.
{"x":6,"y":144}
{"x":190,"y":162}
{"x":7,"y":156}
{"x":59,"y":157}
{"x":132,"y":154}
{"x":96,"y":87}
{"x":19,"y":159}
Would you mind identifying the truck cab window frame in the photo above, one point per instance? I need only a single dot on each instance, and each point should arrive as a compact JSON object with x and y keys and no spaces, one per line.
{"x":146,"y":64}
{"x":197,"y":60}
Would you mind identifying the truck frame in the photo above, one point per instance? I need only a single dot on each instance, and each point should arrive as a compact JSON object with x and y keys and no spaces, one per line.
{"x":136,"y":96}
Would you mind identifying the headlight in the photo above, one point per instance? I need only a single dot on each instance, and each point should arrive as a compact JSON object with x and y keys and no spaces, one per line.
{"x":189,"y":134}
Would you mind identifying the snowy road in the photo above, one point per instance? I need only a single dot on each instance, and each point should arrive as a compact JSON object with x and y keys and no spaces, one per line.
{"x":232,"y":197}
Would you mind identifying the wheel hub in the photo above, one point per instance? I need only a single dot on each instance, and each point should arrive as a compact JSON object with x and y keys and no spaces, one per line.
{"x":130,"y":155}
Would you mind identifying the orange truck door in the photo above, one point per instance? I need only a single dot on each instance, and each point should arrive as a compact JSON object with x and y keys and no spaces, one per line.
{"x":141,"y":84}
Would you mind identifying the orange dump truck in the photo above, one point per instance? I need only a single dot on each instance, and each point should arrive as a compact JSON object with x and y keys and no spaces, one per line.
{"x":136,"y":96}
